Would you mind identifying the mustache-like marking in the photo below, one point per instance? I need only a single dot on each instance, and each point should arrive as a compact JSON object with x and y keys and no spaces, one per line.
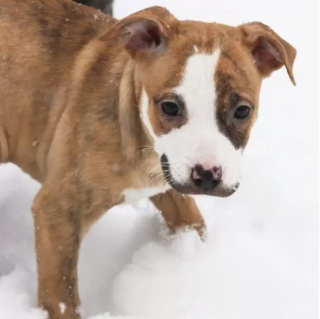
{"x":165,"y":165}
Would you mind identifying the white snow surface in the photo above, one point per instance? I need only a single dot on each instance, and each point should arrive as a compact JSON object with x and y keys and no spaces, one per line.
{"x":261,"y":256}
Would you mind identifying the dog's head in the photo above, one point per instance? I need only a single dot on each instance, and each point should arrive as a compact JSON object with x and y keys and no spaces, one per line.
{"x":200,"y":92}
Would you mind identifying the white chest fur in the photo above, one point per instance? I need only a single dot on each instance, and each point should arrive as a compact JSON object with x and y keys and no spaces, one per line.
{"x":133,"y":195}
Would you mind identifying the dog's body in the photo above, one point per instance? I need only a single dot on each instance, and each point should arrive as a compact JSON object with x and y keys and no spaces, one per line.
{"x":79,"y":113}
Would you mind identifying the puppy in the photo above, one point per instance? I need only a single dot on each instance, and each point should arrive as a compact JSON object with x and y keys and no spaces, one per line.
{"x":103,"y":112}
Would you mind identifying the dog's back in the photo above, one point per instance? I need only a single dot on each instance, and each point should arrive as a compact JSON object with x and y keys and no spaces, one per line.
{"x":39,"y":40}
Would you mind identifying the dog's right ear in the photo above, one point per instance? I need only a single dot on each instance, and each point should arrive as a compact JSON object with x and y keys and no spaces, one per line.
{"x":146,"y":31}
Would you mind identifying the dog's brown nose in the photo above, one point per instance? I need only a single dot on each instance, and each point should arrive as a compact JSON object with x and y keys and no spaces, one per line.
{"x":206,"y":179}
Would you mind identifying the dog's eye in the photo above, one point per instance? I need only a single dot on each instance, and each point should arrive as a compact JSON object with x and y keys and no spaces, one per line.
{"x":242,"y":111}
{"x":170,"y":108}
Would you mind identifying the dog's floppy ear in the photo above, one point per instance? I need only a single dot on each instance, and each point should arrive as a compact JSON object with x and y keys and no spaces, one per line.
{"x":269,"y":50}
{"x":145,"y":31}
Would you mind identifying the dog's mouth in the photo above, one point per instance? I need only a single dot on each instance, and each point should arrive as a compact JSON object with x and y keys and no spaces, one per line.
{"x":191,"y":188}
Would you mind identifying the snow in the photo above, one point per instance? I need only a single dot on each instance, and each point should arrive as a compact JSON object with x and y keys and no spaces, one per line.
{"x":261,"y":256}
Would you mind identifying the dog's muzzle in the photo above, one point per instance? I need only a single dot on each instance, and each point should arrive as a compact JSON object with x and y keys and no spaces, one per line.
{"x":201,"y":182}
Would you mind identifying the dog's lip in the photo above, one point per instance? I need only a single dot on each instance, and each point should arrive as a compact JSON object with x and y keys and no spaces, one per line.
{"x":190,"y":189}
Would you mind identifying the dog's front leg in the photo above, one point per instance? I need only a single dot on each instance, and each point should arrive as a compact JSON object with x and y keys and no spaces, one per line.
{"x":57,"y":224}
{"x":179,"y":211}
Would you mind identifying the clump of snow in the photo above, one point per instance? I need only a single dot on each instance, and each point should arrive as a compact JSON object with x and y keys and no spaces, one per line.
{"x":62,"y":307}
{"x":260,"y":259}
{"x":17,"y":297}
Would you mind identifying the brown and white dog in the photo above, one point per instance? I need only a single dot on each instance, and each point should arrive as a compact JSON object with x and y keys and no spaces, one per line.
{"x":104,"y":112}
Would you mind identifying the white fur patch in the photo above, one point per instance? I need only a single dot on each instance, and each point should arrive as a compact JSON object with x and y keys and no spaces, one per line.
{"x":62,"y":307}
{"x":132,"y":195}
{"x":145,"y":116}
{"x":200,"y":140}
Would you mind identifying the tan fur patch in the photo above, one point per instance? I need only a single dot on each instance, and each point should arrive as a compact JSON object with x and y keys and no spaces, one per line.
{"x":4,"y":152}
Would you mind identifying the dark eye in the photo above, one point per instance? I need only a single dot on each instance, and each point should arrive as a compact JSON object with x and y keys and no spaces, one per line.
{"x":170,"y":108}
{"x":242,"y":111}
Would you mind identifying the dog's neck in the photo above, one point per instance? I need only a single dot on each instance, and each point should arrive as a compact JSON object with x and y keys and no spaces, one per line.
{"x":136,"y":143}
{"x":132,"y":132}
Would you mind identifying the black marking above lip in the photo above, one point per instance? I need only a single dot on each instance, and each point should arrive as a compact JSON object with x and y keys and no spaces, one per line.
{"x":165,"y":165}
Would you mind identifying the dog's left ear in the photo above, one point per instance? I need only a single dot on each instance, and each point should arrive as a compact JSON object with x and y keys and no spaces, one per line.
{"x":269,"y":50}
{"x":147,"y":31}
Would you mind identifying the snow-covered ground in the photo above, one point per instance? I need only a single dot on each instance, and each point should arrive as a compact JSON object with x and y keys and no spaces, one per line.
{"x":261,"y":256}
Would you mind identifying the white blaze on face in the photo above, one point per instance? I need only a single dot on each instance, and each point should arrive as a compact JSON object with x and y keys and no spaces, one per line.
{"x":200,"y":140}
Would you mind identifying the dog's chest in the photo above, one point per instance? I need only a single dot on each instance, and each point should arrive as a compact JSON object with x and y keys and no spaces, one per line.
{"x":133,"y":195}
